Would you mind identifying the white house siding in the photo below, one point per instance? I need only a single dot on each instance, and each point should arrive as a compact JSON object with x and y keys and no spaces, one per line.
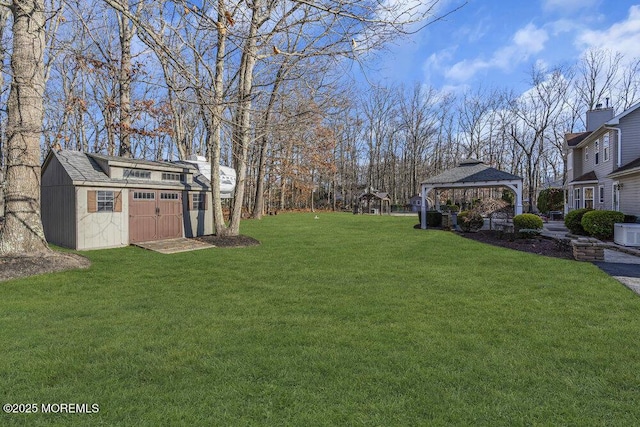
{"x":602,"y":169}
{"x":630,"y":195}
{"x":630,"y":126}
{"x":58,"y":206}
{"x":99,"y":230}
{"x":578,"y":161}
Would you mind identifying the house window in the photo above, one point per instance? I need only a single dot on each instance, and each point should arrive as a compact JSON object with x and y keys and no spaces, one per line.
{"x":605,"y":147}
{"x":167,"y":176}
{"x":576,"y":198}
{"x":601,"y":194}
{"x":615,"y":197}
{"x":588,"y":197}
{"x":105,"y":201}
{"x":144,"y":195}
{"x":137,"y":173}
{"x":570,"y":160}
{"x":597,"y":151}
{"x":586,"y":153}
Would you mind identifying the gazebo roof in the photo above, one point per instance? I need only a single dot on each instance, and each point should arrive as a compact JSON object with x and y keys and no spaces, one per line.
{"x":469,"y":172}
{"x":377,"y":195}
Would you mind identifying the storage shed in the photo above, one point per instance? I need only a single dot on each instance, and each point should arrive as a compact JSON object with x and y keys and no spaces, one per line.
{"x":93,"y":201}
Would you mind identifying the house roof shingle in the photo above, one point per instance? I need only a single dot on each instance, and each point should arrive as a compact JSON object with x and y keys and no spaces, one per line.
{"x":470,"y":171}
{"x":574,"y":139}
{"x":589,"y":176}
{"x":629,"y":167}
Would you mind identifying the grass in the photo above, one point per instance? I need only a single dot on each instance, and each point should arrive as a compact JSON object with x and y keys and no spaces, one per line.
{"x":344,"y":320}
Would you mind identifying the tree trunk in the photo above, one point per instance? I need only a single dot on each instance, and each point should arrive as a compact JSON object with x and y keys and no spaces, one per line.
{"x":22,"y":231}
{"x":258,"y":206}
{"x":124,"y":80}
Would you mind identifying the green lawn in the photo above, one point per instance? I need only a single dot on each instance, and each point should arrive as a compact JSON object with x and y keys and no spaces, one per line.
{"x":344,"y":320}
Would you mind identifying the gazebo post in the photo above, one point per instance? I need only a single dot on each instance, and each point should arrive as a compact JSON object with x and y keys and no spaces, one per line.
{"x":423,"y":208}
{"x":518,"y":199}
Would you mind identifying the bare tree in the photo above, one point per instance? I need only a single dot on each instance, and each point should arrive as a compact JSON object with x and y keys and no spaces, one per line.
{"x":531,"y":116}
{"x":597,"y":76}
{"x":22,"y":231}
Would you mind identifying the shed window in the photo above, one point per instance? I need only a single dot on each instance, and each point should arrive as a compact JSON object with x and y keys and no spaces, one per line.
{"x":167,"y":176}
{"x":169,"y":196}
{"x":144,"y":195}
{"x":198,"y":202}
{"x":105,"y":201}
{"x":137,"y":173}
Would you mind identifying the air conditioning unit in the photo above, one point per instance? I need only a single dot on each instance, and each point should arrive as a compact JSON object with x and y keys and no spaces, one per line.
{"x":626,"y":234}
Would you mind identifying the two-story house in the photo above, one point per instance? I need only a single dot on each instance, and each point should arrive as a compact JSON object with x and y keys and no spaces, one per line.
{"x":603,"y":163}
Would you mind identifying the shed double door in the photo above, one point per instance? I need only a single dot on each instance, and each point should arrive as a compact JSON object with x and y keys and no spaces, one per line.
{"x":154,"y":215}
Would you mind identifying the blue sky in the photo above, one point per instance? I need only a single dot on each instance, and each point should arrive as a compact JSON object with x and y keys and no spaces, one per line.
{"x":494,"y":43}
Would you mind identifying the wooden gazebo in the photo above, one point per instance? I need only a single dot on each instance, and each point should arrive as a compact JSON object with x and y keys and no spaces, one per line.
{"x":470,"y":174}
{"x":375,"y":202}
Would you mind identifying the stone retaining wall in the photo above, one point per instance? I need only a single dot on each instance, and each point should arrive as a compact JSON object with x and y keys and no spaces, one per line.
{"x":588,"y":249}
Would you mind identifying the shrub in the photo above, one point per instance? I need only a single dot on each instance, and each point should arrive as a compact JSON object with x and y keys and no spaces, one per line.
{"x":470,"y":221}
{"x":551,"y":199}
{"x":507,"y":196}
{"x":434,"y":218}
{"x":527,"y":221}
{"x":450,"y":208}
{"x":573,"y":221}
{"x":599,"y":224}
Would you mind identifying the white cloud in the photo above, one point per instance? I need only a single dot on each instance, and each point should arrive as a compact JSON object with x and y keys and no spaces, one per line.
{"x":620,"y":37}
{"x":567,"y":6}
{"x":530,"y":39}
{"x":525,"y":42}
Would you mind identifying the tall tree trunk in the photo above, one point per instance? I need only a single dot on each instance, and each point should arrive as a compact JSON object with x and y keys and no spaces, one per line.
{"x":258,"y":206}
{"x":124,"y":80}
{"x":22,"y":231}
{"x":215,"y":141}
{"x":242,"y":120}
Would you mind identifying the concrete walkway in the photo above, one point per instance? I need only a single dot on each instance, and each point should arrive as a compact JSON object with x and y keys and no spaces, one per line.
{"x":172,"y":246}
{"x":623,"y":267}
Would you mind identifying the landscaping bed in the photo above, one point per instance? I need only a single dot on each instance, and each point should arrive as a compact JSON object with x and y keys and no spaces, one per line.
{"x":539,"y":245}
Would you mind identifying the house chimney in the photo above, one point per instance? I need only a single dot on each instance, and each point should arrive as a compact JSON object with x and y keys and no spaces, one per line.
{"x":598,"y":117}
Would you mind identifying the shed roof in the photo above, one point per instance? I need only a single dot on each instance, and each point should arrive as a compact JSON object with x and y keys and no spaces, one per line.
{"x":471,"y":171}
{"x":85,"y":168}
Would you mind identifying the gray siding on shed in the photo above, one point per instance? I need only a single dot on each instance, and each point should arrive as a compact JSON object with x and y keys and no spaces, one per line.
{"x":58,"y":206}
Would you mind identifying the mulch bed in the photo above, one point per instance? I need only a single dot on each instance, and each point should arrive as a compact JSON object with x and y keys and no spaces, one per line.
{"x":13,"y":267}
{"x":538,"y":245}
{"x":229,"y":241}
